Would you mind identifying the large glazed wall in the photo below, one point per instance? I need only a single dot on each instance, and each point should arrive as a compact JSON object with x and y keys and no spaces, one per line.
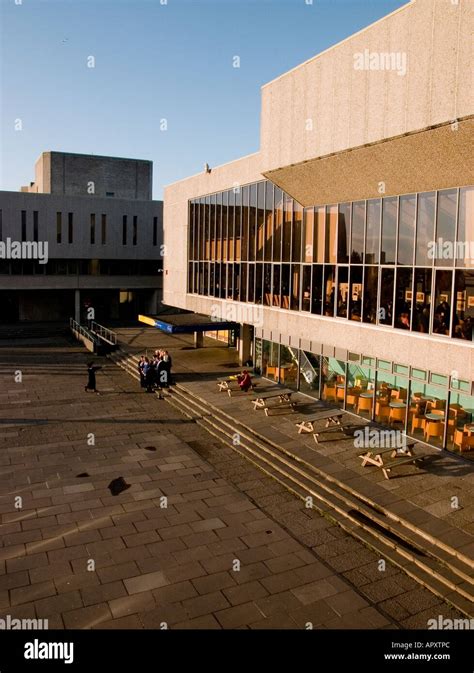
{"x":350,"y":107}
{"x":175,"y":217}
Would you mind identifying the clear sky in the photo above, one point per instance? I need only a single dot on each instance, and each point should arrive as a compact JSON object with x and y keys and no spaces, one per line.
{"x":153,"y":61}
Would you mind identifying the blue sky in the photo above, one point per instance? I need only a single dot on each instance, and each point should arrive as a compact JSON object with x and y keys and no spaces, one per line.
{"x":153,"y":61}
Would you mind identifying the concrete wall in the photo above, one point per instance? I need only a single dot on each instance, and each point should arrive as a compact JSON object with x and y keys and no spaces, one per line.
{"x":72,"y":174}
{"x":47,"y":205}
{"x":350,"y":107}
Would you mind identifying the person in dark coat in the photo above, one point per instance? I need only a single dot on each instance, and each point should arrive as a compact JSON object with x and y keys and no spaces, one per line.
{"x":149,"y":372}
{"x":141,"y":371}
{"x":91,"y":384}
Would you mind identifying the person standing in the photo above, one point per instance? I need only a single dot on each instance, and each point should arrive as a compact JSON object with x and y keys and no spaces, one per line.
{"x":91,"y":383}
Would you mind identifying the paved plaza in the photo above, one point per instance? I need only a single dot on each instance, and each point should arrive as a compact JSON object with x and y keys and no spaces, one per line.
{"x":200,"y":539}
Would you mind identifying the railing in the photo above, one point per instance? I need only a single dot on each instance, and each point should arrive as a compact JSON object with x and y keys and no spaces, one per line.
{"x":83,"y":331}
{"x":104,"y":333}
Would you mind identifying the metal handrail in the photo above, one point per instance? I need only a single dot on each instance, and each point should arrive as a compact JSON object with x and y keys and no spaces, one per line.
{"x":104,"y":332}
{"x":74,"y":325}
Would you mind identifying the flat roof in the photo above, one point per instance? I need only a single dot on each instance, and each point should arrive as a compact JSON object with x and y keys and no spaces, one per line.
{"x":187,"y":323}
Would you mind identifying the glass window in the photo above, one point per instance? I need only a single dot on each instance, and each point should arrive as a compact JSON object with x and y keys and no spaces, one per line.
{"x":442,"y":303}
{"x":243,"y":282}
{"x":385,"y":311}
{"x":219,"y":226}
{"x":333,"y":380}
{"x":92,"y":228}
{"x":288,"y":373}
{"x":406,"y":229}
{"x":319,"y":232}
{"x":361,"y":389}
{"x":425,"y":227}
{"x":212,"y":279}
{"x":459,"y":435}
{"x":270,"y":360}
{"x":403,"y":299}
{"x":309,"y":373}
{"x":332,"y":215}
{"x":464,"y":308}
{"x":245,"y":222}
{"x":370,"y":294}
{"x":401,"y":369}
{"x":252,"y":221}
{"x":342,"y":291}
{"x":306,"y":288}
{"x":464,"y":248}
{"x":59,"y":227}
{"x":344,"y":233}
{"x":384,"y":364}
{"x":23,"y":226}
{"x":285,"y":286}
{"x":267,"y":284}
{"x":446,"y":227}
{"x":230,"y":225}
{"x":297,"y":230}
{"x":295,"y":287}
{"x":224,"y":224}
{"x":317,"y":289}
{"x":260,"y":220}
{"x":355,"y":295}
{"x":104,"y":229}
{"x":422,"y":305}
{"x":287,"y":217}
{"x":329,"y":289}
{"x":419,"y":374}
{"x":389,"y":229}
{"x":278,"y":196}
{"x":268,"y":221}
{"x":372,"y":236}
{"x":358,"y":232}
{"x":258,"y":283}
{"x":251,"y":283}
{"x":276,"y":285}
{"x":308,"y":230}
{"x":135,"y":230}
{"x":71,"y":227}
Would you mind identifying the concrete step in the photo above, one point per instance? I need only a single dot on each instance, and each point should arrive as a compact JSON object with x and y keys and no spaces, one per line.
{"x":422,"y":556}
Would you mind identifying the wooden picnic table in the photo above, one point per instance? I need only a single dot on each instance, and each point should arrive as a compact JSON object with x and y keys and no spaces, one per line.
{"x":225,"y":385}
{"x":282,"y":394}
{"x":332,"y":417}
{"x":376,"y":456}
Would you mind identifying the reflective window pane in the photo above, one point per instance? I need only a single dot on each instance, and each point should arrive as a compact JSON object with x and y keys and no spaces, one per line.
{"x":406,"y":229}
{"x":372,"y":235}
{"x":389,"y":229}
{"x":343,"y":233}
{"x":387,"y":288}
{"x":332,"y":216}
{"x":370,"y":294}
{"x":358,"y":232}
{"x":403,"y":299}
{"x":355,"y":294}
{"x":446,"y":227}
{"x":422,"y":305}
{"x":464,"y":308}
{"x":465,"y":238}
{"x":342,"y":291}
{"x":425,"y":227}
{"x":442,"y":302}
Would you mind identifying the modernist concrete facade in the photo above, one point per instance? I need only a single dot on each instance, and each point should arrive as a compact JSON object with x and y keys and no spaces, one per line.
{"x":90,"y":175}
{"x":382,"y":123}
{"x":103,"y":251}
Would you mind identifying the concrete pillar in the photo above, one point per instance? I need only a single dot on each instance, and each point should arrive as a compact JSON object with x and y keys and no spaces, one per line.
{"x":77,"y":306}
{"x":198,"y":339}
{"x":245,"y":343}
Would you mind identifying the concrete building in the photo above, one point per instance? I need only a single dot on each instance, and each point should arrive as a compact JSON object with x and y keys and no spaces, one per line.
{"x":101,"y":230}
{"x":344,"y":246}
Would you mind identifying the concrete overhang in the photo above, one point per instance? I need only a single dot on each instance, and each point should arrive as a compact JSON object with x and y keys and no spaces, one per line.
{"x":435,"y":158}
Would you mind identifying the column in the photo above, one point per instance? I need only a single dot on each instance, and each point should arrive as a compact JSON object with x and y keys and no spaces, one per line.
{"x":198,"y":339}
{"x":245,"y":343}
{"x":77,"y":306}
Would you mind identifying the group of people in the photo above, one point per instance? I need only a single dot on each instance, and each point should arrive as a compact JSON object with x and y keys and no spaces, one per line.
{"x":155,"y":372}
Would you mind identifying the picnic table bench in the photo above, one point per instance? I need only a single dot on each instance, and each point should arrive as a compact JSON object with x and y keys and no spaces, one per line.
{"x":388,"y":467}
{"x":332,"y":416}
{"x":283,"y":395}
{"x":376,"y":456}
{"x":225,"y":385}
